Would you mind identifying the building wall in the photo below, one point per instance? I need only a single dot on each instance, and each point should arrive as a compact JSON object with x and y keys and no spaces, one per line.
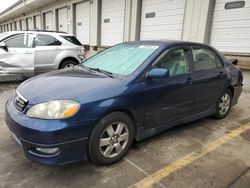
{"x":197,"y":22}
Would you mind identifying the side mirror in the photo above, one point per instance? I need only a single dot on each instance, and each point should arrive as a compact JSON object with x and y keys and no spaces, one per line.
{"x":158,"y":73}
{"x":234,"y":61}
{"x":3,"y":46}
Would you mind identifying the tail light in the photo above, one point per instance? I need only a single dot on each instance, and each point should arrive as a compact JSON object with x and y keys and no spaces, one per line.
{"x":82,"y":50}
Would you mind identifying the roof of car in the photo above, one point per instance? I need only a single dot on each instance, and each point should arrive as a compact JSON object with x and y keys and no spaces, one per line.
{"x":39,"y":32}
{"x":164,"y":42}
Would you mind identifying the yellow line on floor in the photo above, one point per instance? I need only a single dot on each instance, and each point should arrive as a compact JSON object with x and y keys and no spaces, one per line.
{"x":157,"y":176}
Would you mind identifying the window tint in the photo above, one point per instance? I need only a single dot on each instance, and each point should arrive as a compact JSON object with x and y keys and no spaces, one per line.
{"x":20,"y":41}
{"x":72,"y":39}
{"x":45,"y":40}
{"x":175,"y":61}
{"x":205,"y":59}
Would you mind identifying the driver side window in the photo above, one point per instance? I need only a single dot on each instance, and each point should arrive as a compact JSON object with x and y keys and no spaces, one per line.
{"x":176,"y":61}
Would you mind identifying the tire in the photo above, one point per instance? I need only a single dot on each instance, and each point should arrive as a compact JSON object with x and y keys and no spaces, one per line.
{"x":67,"y":63}
{"x":107,"y":146}
{"x":223,"y":105}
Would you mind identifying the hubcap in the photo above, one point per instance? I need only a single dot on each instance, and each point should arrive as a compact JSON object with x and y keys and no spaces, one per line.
{"x":114,"y":139}
{"x":224,"y":104}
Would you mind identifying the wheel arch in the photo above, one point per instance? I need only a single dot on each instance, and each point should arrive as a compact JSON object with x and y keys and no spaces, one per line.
{"x":231,"y":88}
{"x":67,"y":58}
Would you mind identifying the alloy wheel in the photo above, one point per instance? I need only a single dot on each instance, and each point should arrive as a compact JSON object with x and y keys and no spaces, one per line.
{"x":224,"y":104}
{"x":114,"y":139}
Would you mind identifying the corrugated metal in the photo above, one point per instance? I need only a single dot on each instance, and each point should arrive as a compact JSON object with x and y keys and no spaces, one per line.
{"x":162,"y":19}
{"x":24,"y":26}
{"x":112,"y":22}
{"x":38,"y":22}
{"x":63,"y":19}
{"x":29,"y":24}
{"x":231,"y":28}
{"x":48,"y":21}
{"x":18,"y":27}
{"x":82,"y":22}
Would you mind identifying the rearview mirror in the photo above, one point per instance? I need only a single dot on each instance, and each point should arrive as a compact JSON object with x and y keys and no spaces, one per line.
{"x":234,"y":61}
{"x":3,"y":46}
{"x":158,"y":73}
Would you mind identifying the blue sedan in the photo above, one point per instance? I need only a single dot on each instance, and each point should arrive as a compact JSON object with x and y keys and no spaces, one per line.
{"x":128,"y":92}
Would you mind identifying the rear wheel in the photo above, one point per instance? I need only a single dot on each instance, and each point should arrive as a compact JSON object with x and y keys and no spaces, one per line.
{"x":111,"y":138}
{"x":68,"y":63}
{"x":223,"y":105}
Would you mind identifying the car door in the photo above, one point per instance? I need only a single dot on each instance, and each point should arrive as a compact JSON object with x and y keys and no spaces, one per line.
{"x":18,"y":56}
{"x":209,"y":78}
{"x":171,"y":98}
{"x":46,"y":50}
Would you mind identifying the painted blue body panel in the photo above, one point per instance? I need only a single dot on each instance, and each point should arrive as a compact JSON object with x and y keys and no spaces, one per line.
{"x":154,"y":104}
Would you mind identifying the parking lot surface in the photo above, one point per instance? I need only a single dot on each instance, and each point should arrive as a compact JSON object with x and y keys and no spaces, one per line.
{"x":205,"y":153}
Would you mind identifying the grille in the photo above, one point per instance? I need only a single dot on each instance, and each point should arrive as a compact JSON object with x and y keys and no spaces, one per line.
{"x":19,"y":101}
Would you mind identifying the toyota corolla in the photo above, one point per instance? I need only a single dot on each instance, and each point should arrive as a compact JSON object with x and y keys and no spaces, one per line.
{"x":128,"y":92}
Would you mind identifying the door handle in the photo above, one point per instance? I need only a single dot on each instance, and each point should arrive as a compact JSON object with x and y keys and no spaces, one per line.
{"x":189,"y":81}
{"x":28,"y":52}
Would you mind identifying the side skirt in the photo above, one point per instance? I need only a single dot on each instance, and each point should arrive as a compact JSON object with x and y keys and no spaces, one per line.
{"x":143,"y":133}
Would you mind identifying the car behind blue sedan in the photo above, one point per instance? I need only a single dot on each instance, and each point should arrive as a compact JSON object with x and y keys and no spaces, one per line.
{"x":130,"y":91}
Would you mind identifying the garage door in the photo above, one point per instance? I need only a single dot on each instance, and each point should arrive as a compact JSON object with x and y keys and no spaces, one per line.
{"x":231,"y":26}
{"x":29,"y":24}
{"x":62,"y":20}
{"x":24,"y":26}
{"x":82,"y":22}
{"x":48,"y":21}
{"x":37,"y":22}
{"x":162,"y":19}
{"x":112,"y":22}
{"x":18,"y":27}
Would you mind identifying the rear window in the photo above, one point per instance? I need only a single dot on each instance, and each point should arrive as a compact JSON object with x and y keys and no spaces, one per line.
{"x":72,"y":39}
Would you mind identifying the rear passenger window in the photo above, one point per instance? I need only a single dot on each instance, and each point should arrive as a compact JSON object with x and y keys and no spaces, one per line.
{"x":205,"y":59}
{"x":72,"y":39}
{"x":45,"y":40}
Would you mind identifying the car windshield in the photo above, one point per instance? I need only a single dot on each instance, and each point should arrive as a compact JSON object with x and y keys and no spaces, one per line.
{"x":3,"y":35}
{"x":121,"y":59}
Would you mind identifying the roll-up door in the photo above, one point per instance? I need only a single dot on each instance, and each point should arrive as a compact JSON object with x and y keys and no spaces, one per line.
{"x":48,"y":21}
{"x":112,"y":22}
{"x":24,"y":26}
{"x":62,"y":19}
{"x":231,"y":26}
{"x":18,"y":26}
{"x":162,"y":19}
{"x":29,"y":24}
{"x":82,"y":22}
{"x":37,"y":22}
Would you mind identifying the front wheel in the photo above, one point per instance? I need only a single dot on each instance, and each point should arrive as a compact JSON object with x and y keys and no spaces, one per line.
{"x":223,"y":105}
{"x":111,"y":138}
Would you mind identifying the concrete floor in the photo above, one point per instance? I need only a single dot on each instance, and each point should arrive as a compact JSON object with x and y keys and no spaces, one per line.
{"x":225,"y":166}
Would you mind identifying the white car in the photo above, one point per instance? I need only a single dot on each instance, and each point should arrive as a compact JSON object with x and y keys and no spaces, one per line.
{"x":32,"y":52}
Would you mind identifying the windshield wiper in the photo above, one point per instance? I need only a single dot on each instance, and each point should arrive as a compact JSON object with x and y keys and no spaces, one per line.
{"x":110,"y":74}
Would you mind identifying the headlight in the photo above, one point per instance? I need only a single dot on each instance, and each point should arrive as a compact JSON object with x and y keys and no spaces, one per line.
{"x":55,"y":109}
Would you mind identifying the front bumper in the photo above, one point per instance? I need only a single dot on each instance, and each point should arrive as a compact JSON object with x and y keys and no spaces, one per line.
{"x":69,"y":137}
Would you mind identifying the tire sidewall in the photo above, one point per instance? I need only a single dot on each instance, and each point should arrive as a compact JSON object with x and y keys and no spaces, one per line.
{"x":64,"y":63}
{"x":93,"y":146}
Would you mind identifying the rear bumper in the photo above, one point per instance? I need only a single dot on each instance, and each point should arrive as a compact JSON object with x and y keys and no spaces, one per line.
{"x":237,"y":93}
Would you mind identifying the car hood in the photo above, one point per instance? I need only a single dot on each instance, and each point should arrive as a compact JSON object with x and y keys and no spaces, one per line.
{"x":71,"y":84}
